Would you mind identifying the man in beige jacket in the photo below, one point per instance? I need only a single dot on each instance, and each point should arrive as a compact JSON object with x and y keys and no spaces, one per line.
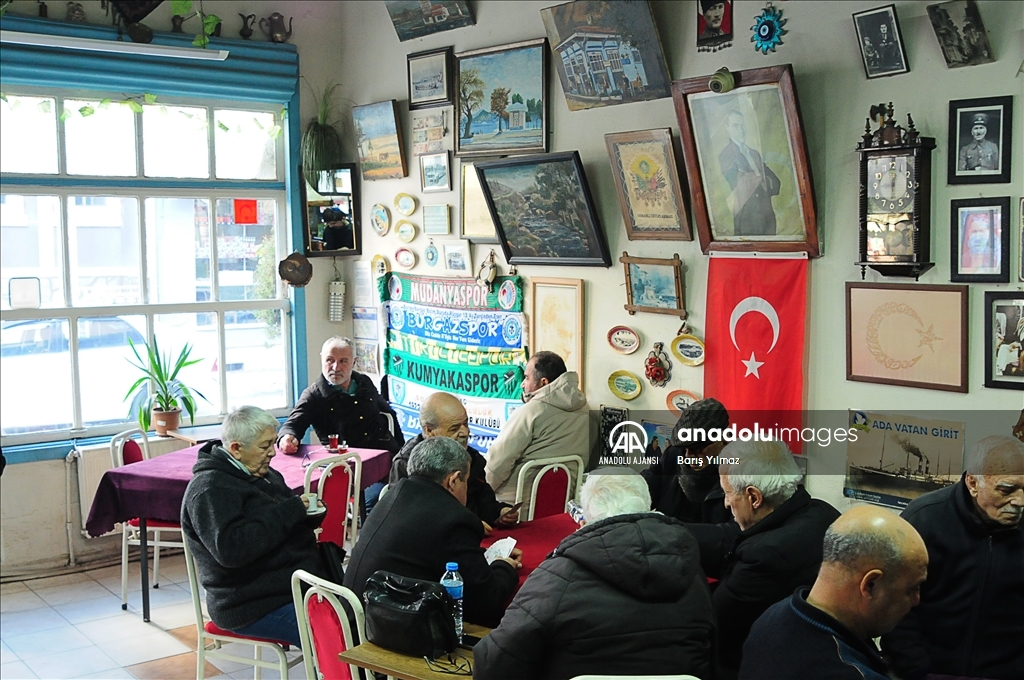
{"x":554,"y":422}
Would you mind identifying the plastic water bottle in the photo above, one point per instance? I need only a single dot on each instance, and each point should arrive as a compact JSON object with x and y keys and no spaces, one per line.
{"x":452,"y":582}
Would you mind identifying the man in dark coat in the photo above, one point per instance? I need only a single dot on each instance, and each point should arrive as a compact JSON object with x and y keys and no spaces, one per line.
{"x":248,"y":531}
{"x":969,"y":622}
{"x":422,"y":523}
{"x":753,"y":183}
{"x":622,"y":596}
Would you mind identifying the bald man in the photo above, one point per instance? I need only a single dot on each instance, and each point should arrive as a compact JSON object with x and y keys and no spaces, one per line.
{"x":443,"y":415}
{"x":969,"y":622}
{"x":873,"y":565}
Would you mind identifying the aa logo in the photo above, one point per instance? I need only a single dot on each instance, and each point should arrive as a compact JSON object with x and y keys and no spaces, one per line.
{"x":628,"y":438}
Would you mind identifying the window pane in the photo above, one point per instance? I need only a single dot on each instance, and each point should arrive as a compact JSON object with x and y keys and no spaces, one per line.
{"x":105,"y":374}
{"x":247,"y":249}
{"x":35,"y":376}
{"x":103,"y":235}
{"x":28,"y":135}
{"x":255,"y":365}
{"x":172,"y":332}
{"x":30,"y":245}
{"x":175,"y":142}
{"x":246,"y":144}
{"x":178,"y":249}
{"x":99,"y":138}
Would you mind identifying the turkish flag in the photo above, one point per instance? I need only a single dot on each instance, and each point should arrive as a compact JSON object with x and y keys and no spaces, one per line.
{"x":754,"y":365}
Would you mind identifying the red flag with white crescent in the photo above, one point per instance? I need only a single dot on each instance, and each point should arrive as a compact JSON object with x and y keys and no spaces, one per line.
{"x":756,"y":321}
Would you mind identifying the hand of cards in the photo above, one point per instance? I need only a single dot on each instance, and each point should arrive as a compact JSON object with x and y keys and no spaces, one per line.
{"x":500,"y":548}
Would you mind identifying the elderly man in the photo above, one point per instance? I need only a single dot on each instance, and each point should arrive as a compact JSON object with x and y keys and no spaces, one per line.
{"x":979,"y":153}
{"x":622,"y":596}
{"x":554,"y":422}
{"x":247,"y":530}
{"x":873,"y":565}
{"x":443,"y":415}
{"x":422,"y":523}
{"x":969,"y":621}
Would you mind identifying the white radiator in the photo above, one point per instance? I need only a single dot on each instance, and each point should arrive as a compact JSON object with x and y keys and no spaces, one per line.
{"x":92,"y":461}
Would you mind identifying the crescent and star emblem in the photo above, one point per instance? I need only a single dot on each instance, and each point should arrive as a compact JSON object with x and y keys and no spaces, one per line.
{"x":763,"y":307}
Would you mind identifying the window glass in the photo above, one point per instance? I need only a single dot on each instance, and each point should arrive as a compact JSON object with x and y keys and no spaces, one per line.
{"x":30,"y":246}
{"x":255,"y":374}
{"x":178,"y":249}
{"x":103,"y":236}
{"x":246,"y":144}
{"x":35,"y":383}
{"x":99,"y":138}
{"x":28,"y":135}
{"x":199,"y":330}
{"x":246,"y":249}
{"x":105,"y":373}
{"x":175,"y":141}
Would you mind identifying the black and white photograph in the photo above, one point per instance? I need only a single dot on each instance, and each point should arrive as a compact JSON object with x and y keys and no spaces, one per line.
{"x":881,"y":42}
{"x":1004,"y":340}
{"x":979,"y":140}
{"x":434,"y":172}
{"x":961,"y":34}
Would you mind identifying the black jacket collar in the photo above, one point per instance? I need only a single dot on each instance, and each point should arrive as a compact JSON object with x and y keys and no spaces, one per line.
{"x":798,"y":501}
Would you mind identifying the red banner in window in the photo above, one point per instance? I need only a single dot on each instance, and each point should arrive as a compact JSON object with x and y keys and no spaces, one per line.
{"x":245,"y":211}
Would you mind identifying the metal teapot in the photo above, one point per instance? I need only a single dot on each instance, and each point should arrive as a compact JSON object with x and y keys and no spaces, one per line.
{"x":275,"y":23}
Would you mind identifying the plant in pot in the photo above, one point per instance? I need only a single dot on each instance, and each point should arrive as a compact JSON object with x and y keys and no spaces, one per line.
{"x":162,"y":403}
{"x":321,"y":143}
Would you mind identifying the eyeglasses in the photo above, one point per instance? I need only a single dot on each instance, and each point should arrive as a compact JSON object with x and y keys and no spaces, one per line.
{"x":306,"y":461}
{"x":452,"y":666}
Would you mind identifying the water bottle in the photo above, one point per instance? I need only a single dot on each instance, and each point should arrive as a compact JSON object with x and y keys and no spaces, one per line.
{"x":452,"y":582}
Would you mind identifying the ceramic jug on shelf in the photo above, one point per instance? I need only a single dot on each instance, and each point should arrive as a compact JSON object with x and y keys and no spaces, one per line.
{"x":273,"y":27}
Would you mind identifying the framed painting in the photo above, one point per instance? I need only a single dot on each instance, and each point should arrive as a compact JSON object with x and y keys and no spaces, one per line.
{"x":606,"y":53}
{"x":457,"y":258}
{"x":979,"y":240}
{"x":542,"y":210}
{"x":909,"y":335}
{"x":747,"y":163}
{"x":647,"y":182}
{"x":1004,"y":339}
{"x":714,"y":25}
{"x":333,"y":226}
{"x":379,"y":140}
{"x":961,"y":34}
{"x":654,"y":285}
{"x":881,"y":42}
{"x":556,"y":320}
{"x":435,"y":175}
{"x":476,"y":225}
{"x":979,"y":141}
{"x":430,"y":78}
{"x":501,"y":100}
{"x":413,"y":19}
{"x":1020,"y":241}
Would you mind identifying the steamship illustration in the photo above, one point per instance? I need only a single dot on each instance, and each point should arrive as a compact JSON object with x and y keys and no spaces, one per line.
{"x":897,"y":476}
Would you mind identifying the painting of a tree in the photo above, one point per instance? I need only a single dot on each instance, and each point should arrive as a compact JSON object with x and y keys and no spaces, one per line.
{"x":499,"y":102}
{"x":471,"y":96}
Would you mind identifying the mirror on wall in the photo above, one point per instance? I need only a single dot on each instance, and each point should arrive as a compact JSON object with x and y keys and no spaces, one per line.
{"x":332,"y":214}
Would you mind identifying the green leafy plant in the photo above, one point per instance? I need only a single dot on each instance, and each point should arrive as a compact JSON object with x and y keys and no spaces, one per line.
{"x":169,"y":392}
{"x":210,"y":21}
{"x":321,"y":143}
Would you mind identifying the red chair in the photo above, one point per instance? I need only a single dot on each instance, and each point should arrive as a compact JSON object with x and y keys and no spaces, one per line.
{"x":338,"y":485}
{"x":552,"y":487}
{"x":330,"y":621}
{"x":124,"y":451}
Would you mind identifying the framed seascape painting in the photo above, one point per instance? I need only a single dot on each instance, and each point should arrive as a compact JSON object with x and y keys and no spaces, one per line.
{"x":980,"y":140}
{"x":606,"y":53}
{"x":960,"y":32}
{"x":1004,"y":339}
{"x":654,"y":285}
{"x":747,"y":164}
{"x":556,"y":320}
{"x":475,"y":225}
{"x":881,"y":42}
{"x":430,"y":78}
{"x":542,"y":210}
{"x":414,"y":19}
{"x":501,"y":100}
{"x":379,"y":140}
{"x":979,"y":240}
{"x":647,"y":182}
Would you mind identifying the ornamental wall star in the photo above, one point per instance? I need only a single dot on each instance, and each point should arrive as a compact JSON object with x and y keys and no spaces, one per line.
{"x":927,"y":337}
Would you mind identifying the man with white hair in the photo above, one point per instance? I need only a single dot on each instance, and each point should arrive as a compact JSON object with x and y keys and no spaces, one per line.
{"x":623,"y":596}
{"x":969,"y":622}
{"x":777,"y":550}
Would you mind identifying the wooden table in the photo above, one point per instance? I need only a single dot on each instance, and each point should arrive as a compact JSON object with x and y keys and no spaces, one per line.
{"x":196,"y":435}
{"x":395,"y":665}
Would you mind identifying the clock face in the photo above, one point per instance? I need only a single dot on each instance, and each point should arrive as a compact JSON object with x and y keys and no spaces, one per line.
{"x":891,"y":187}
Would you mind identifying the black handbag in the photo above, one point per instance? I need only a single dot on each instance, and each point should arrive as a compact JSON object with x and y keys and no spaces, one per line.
{"x":409,"y":616}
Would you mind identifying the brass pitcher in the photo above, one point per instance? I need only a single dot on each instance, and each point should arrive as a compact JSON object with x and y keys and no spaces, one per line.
{"x":273,"y":27}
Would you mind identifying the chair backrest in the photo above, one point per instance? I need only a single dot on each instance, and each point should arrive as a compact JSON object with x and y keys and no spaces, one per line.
{"x":338,"y":485}
{"x":193,"y":586}
{"x":383,"y":490}
{"x":124,"y":450}
{"x":390,"y":422}
{"x":552,"y":487}
{"x":636,"y":677}
{"x":330,"y":619}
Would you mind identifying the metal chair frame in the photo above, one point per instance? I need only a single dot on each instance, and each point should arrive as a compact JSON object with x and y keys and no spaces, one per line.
{"x":334,"y":594}
{"x":354,"y":464}
{"x":546,"y":465}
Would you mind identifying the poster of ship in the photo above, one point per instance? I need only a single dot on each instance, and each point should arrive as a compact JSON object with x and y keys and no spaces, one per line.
{"x":896,"y":458}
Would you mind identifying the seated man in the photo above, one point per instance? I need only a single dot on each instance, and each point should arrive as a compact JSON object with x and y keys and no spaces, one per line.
{"x":873,"y":565}
{"x":554,"y":422}
{"x":966,"y":625}
{"x":777,"y":549}
{"x":422,"y":523}
{"x":443,"y":415}
{"x":247,"y":530}
{"x":622,"y":596}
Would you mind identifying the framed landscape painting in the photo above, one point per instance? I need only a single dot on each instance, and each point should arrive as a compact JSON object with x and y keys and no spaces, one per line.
{"x":430,"y":78}
{"x":379,"y":140}
{"x":654,"y":285}
{"x":647,"y":182}
{"x":556,"y":320}
{"x":414,"y":19}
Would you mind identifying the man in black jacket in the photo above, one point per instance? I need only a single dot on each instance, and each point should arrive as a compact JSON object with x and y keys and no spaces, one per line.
{"x":248,"y":531}
{"x":422,"y":523}
{"x":969,"y":622}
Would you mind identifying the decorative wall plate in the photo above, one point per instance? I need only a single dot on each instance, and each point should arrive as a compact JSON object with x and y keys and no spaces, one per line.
{"x":625,"y":385}
{"x":689,"y":349}
{"x":430,"y":254}
{"x":677,"y":400}
{"x":380,"y":219}
{"x":624,"y":339}
{"x":379,"y":265}
{"x":405,"y":204}
{"x":406,"y":231}
{"x":405,"y":258}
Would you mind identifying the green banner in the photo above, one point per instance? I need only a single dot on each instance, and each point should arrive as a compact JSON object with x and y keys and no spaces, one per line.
{"x":493,"y":382}
{"x":506,"y":293}
{"x":457,"y":355}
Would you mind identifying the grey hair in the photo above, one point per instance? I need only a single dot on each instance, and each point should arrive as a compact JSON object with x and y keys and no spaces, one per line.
{"x":614,"y":491}
{"x":337,"y":341}
{"x":767,"y":466}
{"x":437,"y":457}
{"x":849,"y":549}
{"x":245,"y":424}
{"x":986,"y":447}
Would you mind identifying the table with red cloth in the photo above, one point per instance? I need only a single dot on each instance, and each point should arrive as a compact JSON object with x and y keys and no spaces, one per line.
{"x":536,"y":539}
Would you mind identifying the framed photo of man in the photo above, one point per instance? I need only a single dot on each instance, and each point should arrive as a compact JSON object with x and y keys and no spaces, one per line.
{"x":979,"y":240}
{"x":980,"y":140}
{"x":1004,"y":339}
{"x":881,"y":42}
{"x":746,"y":160}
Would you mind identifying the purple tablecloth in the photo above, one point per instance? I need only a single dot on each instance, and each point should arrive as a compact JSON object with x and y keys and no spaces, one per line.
{"x":154,"y":488}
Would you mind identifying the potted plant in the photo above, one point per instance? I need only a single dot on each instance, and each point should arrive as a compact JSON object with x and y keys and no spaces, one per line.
{"x":163,"y":404}
{"x":321,"y":143}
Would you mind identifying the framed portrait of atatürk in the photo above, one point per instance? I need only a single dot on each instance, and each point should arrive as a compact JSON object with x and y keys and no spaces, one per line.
{"x":747,"y":164}
{"x":1004,"y":339}
{"x":647,"y":183}
{"x":881,"y":42}
{"x":979,"y":240}
{"x":979,"y":140}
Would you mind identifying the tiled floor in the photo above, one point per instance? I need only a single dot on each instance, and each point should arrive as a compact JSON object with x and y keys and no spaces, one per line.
{"x":73,"y":627}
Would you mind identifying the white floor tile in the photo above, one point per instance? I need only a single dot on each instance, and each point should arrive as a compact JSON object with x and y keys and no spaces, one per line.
{"x":111,"y":674}
{"x":52,"y":581}
{"x":173,"y":616}
{"x":23,"y":623}
{"x":20,"y":601}
{"x":16,"y":671}
{"x":13,"y":587}
{"x":47,"y":642}
{"x":142,"y":648}
{"x":124,"y":626}
{"x":72,"y":592}
{"x":6,"y":655}
{"x":166,"y":595}
{"x":71,"y":663}
{"x":90,"y":610}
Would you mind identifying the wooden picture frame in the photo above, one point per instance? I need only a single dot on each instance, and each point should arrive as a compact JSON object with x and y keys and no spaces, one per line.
{"x":1004,"y":339}
{"x":556,"y":319}
{"x":379,"y":141}
{"x":1020,"y":241}
{"x":475,"y":223}
{"x":430,"y":78}
{"x":979,"y":245}
{"x":435,"y":172}
{"x":651,"y":290}
{"x":764,"y":202}
{"x":647,"y":183}
{"x":906,"y":334}
{"x":881,"y":42}
{"x":970,"y":160}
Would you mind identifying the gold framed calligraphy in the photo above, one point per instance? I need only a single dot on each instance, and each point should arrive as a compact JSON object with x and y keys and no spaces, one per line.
{"x":647,"y":182}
